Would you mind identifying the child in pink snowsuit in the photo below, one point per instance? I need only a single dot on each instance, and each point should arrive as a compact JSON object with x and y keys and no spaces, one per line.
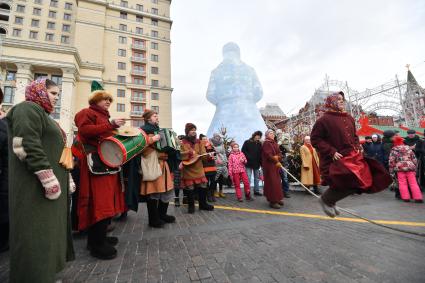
{"x":403,"y":162}
{"x":237,"y":161}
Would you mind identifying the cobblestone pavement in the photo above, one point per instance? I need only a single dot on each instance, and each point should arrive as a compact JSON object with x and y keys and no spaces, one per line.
{"x":235,"y":246}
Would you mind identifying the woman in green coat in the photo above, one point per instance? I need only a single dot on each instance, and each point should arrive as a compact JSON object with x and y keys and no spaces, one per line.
{"x":40,"y":230}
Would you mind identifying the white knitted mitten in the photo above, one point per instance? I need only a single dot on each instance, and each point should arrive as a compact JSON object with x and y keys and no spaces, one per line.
{"x":50,"y":183}
{"x":72,"y":185}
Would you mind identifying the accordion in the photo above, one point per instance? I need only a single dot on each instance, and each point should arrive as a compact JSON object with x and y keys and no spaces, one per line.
{"x":168,"y":140}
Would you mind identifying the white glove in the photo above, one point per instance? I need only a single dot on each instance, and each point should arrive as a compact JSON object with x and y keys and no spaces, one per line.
{"x":50,"y":183}
{"x":72,"y":185}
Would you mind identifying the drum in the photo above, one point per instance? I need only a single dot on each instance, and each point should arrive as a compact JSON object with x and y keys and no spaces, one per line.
{"x":168,"y":141}
{"x":117,"y":150}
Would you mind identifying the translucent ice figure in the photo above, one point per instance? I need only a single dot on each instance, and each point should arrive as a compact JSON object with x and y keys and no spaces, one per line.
{"x":235,"y":89}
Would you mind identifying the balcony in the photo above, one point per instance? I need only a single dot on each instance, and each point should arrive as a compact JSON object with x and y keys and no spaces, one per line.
{"x":139,"y":59}
{"x":138,"y":99}
{"x":136,"y":113}
{"x":136,"y":72}
{"x":138,"y":46}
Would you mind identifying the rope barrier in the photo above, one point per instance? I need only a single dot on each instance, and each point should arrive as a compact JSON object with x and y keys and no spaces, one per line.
{"x":355,"y":214}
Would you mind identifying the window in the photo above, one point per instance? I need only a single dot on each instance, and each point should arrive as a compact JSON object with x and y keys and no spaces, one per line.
{"x":137,"y":123}
{"x":154,"y":57}
{"x":121,"y":79}
{"x":154,"y":33}
{"x":154,"y":22}
{"x":10,"y":75}
{"x":49,"y":37}
{"x":35,"y":23}
{"x":38,"y":1}
{"x":154,"y":45}
{"x":19,"y":20}
{"x":155,"y":96}
{"x":120,"y":92}
{"x":138,"y":95}
{"x":154,"y":11}
{"x":57,"y":79}
{"x":139,"y":19}
{"x":66,"y":28}
{"x":123,"y":15}
{"x":120,"y":107}
{"x":154,"y":82}
{"x":36,"y":11}
{"x":124,"y":4}
{"x":33,"y":34}
{"x":123,"y":27}
{"x":121,"y":66}
{"x":138,"y":81}
{"x":52,"y":14}
{"x":16,"y":32}
{"x":20,"y":8}
{"x":40,"y":76}
{"x":9,"y":93}
{"x":122,"y":39}
{"x":139,"y":7}
{"x":122,"y":52}
{"x":139,"y":30}
{"x":68,"y":6}
{"x":65,"y":39}
{"x":155,"y":108}
{"x":67,"y":17}
{"x":51,"y":25}
{"x":53,"y":3}
{"x":154,"y":70}
{"x":155,"y":1}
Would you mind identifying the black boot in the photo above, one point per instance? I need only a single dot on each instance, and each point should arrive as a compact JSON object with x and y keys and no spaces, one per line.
{"x":176,"y":202}
{"x":153,"y":214}
{"x":190,"y":202}
{"x":96,"y":241}
{"x":316,"y":190}
{"x":163,"y":207}
{"x":203,"y":205}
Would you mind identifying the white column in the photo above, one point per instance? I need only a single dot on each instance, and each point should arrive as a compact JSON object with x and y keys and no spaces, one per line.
{"x":67,"y":101}
{"x":23,"y":77}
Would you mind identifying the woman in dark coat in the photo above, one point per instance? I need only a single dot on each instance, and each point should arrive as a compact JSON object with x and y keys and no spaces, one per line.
{"x":100,"y":197}
{"x":4,"y":190}
{"x":270,"y":162}
{"x":40,"y":226}
{"x":342,"y":165}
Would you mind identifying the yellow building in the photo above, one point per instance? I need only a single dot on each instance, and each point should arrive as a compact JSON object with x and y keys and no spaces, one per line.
{"x":125,"y":45}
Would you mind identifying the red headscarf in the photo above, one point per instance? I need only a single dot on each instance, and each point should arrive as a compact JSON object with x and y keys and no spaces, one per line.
{"x":331,"y":102}
{"x":37,"y":93}
{"x":397,"y":140}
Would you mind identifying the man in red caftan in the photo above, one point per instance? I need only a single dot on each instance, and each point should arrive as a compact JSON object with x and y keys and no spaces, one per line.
{"x":342,"y":164}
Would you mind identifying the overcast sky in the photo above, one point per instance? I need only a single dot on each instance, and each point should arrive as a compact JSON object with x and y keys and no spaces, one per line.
{"x":292,"y":45}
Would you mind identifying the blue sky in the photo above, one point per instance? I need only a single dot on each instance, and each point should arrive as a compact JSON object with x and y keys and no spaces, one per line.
{"x":292,"y":45}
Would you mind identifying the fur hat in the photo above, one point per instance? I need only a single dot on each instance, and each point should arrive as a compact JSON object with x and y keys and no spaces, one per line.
{"x":411,"y":132}
{"x":188,"y":127}
{"x":99,"y":95}
{"x":148,"y":114}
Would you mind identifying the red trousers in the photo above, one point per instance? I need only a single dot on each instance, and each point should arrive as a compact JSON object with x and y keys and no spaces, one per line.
{"x":406,"y":179}
{"x":236,"y":178}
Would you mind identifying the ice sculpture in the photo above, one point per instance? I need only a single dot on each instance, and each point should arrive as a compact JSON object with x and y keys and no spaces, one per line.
{"x":235,"y":89}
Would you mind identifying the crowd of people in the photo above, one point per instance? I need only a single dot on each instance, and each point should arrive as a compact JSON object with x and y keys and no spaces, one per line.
{"x":45,"y":204}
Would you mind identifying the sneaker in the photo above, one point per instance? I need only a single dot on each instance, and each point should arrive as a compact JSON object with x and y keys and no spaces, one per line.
{"x":249,"y":198}
{"x":275,"y":205}
{"x":240,"y":200}
{"x":257,"y":194}
{"x":222,"y":195}
{"x":216,"y":194}
{"x":328,"y":210}
{"x":286,"y":195}
{"x":280,"y":203}
{"x":176,"y":202}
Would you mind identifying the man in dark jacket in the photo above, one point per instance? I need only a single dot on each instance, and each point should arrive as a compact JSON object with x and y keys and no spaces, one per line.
{"x":4,"y":191}
{"x":252,"y":150}
{"x":375,"y":149}
{"x":412,"y":140}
